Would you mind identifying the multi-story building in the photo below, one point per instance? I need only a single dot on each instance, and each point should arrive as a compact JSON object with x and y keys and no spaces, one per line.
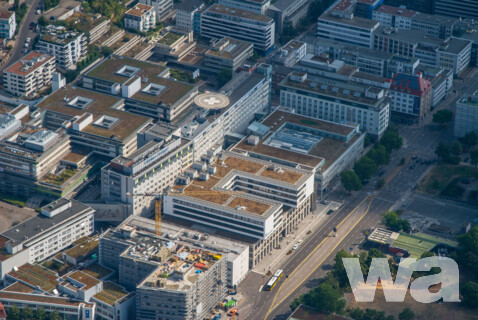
{"x":222,"y":116}
{"x":288,"y":14}
{"x":333,"y":91}
{"x":365,"y":8}
{"x":256,"y":6}
{"x":67,"y":47}
{"x":451,"y":53}
{"x":456,"y":8}
{"x":8,"y":24}
{"x":466,"y":114}
{"x":340,"y":24}
{"x":440,"y":79}
{"x":94,"y":121}
{"x":162,"y":8}
{"x":143,"y":86}
{"x":227,"y":53}
{"x":397,"y":41}
{"x":141,"y":18}
{"x":95,"y":25}
{"x":411,"y":97}
{"x":114,"y":302}
{"x":425,"y":6}
{"x":27,"y":155}
{"x":59,"y":224}
{"x":185,"y":13}
{"x":220,"y":21}
{"x":394,"y":17}
{"x":29,"y":75}
{"x":187,"y":287}
{"x":291,"y":53}
{"x":66,"y":308}
{"x":151,"y":169}
{"x":435,"y":26}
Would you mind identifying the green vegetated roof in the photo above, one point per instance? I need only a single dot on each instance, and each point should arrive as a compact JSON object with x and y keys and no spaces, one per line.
{"x":419,"y":243}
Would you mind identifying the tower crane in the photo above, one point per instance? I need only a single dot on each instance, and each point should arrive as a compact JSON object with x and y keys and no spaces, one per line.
{"x":158,"y":198}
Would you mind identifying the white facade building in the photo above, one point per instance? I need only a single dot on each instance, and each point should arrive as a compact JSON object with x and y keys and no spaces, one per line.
{"x":185,"y":11}
{"x":8,"y":24}
{"x":67,"y":47}
{"x":220,"y":21}
{"x":162,"y":8}
{"x":346,"y":29}
{"x":141,"y":18}
{"x":30,"y":74}
{"x":394,"y":17}
{"x":62,"y":223}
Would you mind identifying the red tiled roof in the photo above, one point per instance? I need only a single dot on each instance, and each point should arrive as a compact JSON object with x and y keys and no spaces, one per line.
{"x":15,"y":68}
{"x":5,"y":14}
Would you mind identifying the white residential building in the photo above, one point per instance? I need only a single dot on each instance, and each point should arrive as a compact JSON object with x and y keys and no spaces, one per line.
{"x":340,"y":25}
{"x":220,"y":21}
{"x":67,"y":47}
{"x":185,"y":11}
{"x":61,"y":223}
{"x":291,"y":53}
{"x":8,"y":24}
{"x":394,"y":17}
{"x":29,"y":75}
{"x":141,"y":18}
{"x":162,"y":8}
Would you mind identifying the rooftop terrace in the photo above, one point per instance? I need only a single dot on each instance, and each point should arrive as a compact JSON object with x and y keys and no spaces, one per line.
{"x":239,"y":13}
{"x":37,"y":277}
{"x":111,"y":293}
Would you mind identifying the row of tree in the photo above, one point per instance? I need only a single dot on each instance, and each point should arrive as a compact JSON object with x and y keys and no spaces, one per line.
{"x":14,"y":313}
{"x":392,"y":220}
{"x":368,"y":165}
{"x":20,"y":11}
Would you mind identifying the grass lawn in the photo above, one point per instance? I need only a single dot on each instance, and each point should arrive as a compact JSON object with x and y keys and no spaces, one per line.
{"x":441,"y":175}
{"x":18,"y":201}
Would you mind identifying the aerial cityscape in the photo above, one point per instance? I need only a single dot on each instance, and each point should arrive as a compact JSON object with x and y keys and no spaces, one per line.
{"x":239,"y":159}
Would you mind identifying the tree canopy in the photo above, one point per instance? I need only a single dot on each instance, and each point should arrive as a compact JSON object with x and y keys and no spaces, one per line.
{"x":468,"y":255}
{"x":394,"y":223}
{"x":224,"y":76}
{"x":365,"y":168}
{"x":470,"y":294}
{"x":406,"y":314}
{"x":443,"y":116}
{"x":350,"y":180}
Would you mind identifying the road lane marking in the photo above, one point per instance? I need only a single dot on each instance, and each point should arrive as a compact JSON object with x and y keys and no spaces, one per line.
{"x":313,"y":251}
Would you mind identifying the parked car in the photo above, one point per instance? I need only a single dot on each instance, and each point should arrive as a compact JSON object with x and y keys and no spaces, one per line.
{"x":28,"y":40}
{"x":295,"y":247}
{"x":38,"y":11}
{"x":324,"y":202}
{"x":233,"y":312}
{"x":330,"y":211}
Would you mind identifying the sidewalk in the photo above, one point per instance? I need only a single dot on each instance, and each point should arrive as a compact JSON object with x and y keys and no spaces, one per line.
{"x":277,"y":257}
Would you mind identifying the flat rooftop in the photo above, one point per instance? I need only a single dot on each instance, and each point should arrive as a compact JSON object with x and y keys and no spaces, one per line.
{"x":396,"y":11}
{"x":83,"y":247}
{"x":97,"y":271}
{"x":111,"y":293}
{"x":233,"y":49}
{"x":239,"y":13}
{"x":36,"y":276}
{"x":85,"y":22}
{"x":354,"y":22}
{"x":98,"y":105}
{"x":138,"y":10}
{"x":322,"y":154}
{"x":62,"y":8}
{"x":150,"y":73}
{"x":83,"y":278}
{"x":18,"y":287}
{"x":42,"y":299}
{"x":34,"y":226}
{"x":407,"y":36}
{"x":352,"y":92}
{"x":418,"y":243}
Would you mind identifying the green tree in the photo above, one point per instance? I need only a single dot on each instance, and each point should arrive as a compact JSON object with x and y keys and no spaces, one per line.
{"x":224,"y":76}
{"x":255,"y":56}
{"x":41,"y":314}
{"x":27,"y":313}
{"x":470,"y":294}
{"x":443,"y":116}
{"x":468,"y":255}
{"x":391,"y":140}
{"x":42,"y":21}
{"x":55,"y":315}
{"x":365,"y":168}
{"x":106,"y":51}
{"x":14,"y":313}
{"x":350,"y":180}
{"x":406,"y":314}
{"x":394,"y":223}
{"x":443,"y":150}
{"x":471,"y":138}
{"x":456,"y":148}
{"x":380,"y":183}
{"x":338,"y":271}
{"x":325,"y":298}
{"x":390,"y":317}
{"x":379,"y":155}
{"x":474,"y":157}
{"x":356,"y":314}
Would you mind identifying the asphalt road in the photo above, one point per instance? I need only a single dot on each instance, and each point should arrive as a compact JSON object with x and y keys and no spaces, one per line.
{"x":25,"y":31}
